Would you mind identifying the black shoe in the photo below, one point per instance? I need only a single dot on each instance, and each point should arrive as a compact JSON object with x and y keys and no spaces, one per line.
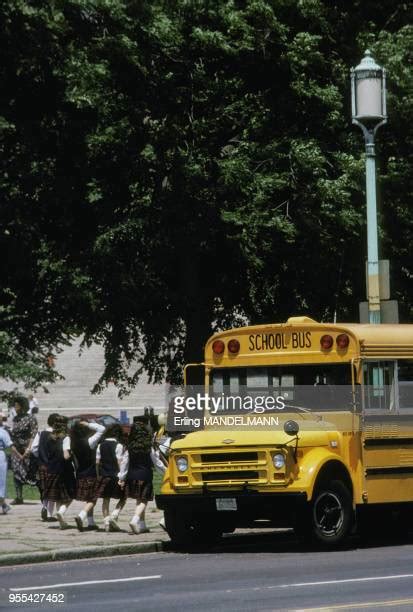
{"x":51,"y":519}
{"x":17,"y":502}
{"x":43,"y":514}
{"x":79,"y":523}
{"x":92,"y":528}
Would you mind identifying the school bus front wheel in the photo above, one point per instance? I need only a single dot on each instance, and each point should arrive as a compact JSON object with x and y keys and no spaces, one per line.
{"x":328,"y":518}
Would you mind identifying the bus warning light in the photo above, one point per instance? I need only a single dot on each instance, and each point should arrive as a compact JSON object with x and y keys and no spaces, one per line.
{"x":218,"y":347}
{"x":326,"y":342}
{"x":233,"y":346}
{"x":342,"y":341}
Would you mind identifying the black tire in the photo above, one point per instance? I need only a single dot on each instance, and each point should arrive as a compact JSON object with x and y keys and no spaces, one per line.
{"x":191,"y":531}
{"x":328,"y":519}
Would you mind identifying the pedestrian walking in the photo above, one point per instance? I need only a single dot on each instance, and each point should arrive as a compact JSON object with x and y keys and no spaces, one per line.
{"x":33,"y":405}
{"x":162,"y":447}
{"x":23,"y":463}
{"x":84,"y":440}
{"x":135,"y":474}
{"x":162,"y":440}
{"x":60,"y":479}
{"x":39,"y":450}
{"x":5,"y":442}
{"x":108,"y":458}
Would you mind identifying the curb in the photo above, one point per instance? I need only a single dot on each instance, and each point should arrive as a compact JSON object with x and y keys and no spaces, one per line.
{"x":66,"y":554}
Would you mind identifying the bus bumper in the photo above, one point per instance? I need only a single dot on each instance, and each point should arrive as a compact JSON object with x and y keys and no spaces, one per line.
{"x":246,"y":506}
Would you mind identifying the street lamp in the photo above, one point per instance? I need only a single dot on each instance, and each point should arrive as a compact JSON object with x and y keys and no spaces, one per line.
{"x":368,"y":104}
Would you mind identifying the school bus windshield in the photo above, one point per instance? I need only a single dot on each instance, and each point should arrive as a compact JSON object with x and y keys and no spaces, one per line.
{"x":315,"y":387}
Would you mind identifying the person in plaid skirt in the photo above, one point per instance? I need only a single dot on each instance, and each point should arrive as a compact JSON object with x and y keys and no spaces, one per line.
{"x":39,"y":450}
{"x":84,"y":440}
{"x":108,"y":458}
{"x":135,"y":475}
{"x":60,"y":479}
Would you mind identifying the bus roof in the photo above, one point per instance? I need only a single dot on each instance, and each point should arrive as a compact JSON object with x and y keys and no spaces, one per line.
{"x":373,"y":339}
{"x":366,"y":333}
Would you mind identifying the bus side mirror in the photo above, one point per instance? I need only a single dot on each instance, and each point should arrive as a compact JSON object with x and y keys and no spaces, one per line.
{"x":291,"y":428}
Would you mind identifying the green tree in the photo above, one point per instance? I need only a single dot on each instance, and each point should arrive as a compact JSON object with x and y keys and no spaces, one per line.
{"x":172,"y":167}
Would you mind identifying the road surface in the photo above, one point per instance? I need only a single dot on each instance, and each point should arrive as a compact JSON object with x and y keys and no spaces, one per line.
{"x":264,"y":572}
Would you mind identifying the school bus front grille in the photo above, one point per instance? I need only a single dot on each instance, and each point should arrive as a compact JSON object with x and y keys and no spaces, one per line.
{"x":243,"y":476}
{"x":232,"y":468}
{"x":229,"y":457}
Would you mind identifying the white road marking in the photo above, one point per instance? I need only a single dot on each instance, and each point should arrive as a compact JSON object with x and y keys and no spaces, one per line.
{"x":319,"y":583}
{"x":69,"y":584}
{"x":366,"y":604}
{"x":322,"y":582}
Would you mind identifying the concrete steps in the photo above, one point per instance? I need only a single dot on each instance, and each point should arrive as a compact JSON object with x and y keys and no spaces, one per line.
{"x":81,"y":371}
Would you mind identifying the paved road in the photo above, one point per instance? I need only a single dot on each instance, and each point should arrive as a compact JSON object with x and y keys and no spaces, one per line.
{"x":265,"y":572}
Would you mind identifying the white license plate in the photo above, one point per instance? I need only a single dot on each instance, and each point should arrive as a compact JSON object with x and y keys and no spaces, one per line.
{"x":226,"y":503}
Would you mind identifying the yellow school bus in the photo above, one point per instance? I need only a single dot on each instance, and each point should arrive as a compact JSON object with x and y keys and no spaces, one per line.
{"x":340,"y":445}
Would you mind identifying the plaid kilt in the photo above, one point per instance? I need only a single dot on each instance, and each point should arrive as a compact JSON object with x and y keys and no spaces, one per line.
{"x":42,"y":478}
{"x":86,"y":489}
{"x":107,"y":486}
{"x":56,"y":489}
{"x":141,"y":490}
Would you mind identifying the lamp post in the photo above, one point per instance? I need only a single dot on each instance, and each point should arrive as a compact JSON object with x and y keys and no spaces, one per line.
{"x":368,"y":104}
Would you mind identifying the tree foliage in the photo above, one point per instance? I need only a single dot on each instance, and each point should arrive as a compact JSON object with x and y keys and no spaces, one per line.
{"x":173,"y":167}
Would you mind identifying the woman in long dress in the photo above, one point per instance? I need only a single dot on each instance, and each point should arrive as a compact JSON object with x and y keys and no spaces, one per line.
{"x":23,"y":464}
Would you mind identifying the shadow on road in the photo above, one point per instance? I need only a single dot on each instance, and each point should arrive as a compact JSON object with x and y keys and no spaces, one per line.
{"x":285,"y":541}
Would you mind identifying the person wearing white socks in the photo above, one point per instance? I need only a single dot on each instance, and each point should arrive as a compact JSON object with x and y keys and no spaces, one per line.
{"x":39,"y":450}
{"x":108,"y":457}
{"x":135,"y":474}
{"x":60,"y":477}
{"x":85,"y":438}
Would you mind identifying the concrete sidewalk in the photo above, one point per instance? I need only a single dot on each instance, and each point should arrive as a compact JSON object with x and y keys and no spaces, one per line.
{"x":25,"y":538}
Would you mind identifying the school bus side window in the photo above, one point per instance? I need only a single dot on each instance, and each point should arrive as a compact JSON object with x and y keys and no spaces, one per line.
{"x":405,"y":380}
{"x":380,"y":385}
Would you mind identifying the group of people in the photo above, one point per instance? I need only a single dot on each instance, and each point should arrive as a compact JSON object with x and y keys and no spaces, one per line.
{"x":87,"y":463}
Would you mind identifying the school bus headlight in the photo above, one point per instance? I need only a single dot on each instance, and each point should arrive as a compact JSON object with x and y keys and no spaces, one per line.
{"x":182,"y":463}
{"x":278,"y":461}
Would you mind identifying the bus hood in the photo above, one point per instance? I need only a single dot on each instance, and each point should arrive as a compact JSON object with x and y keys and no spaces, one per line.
{"x":318,"y":435}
